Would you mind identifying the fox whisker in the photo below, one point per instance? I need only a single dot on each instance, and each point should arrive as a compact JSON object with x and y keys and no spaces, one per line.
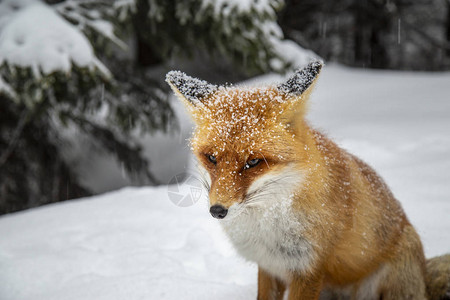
{"x":263,"y":192}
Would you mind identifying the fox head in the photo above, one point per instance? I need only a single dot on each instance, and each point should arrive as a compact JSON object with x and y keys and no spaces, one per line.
{"x":247,"y":140}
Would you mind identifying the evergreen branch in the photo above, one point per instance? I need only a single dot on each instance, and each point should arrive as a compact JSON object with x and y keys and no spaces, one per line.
{"x":23,"y":120}
{"x":130,"y":156}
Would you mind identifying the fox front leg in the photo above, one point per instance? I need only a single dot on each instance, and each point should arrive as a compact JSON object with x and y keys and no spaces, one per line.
{"x":305,"y":288}
{"x":269,"y":287}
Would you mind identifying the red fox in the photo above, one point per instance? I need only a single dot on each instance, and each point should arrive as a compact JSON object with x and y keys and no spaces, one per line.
{"x":318,"y":221}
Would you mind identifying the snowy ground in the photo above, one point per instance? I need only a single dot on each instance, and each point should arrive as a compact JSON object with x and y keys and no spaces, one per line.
{"x":136,"y":244}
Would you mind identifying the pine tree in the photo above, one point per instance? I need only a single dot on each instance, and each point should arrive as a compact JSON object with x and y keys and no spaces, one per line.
{"x":100,"y":90}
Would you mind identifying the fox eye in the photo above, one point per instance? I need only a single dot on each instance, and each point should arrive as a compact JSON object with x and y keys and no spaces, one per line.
{"x":251,"y":163}
{"x":212,"y":158}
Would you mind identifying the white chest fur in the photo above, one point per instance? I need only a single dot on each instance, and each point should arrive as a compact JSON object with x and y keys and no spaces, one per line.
{"x":268,"y":231}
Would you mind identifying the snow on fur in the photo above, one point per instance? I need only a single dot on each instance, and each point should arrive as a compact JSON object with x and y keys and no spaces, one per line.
{"x":193,"y":89}
{"x":302,"y":79}
{"x":234,"y":112}
{"x":231,"y":112}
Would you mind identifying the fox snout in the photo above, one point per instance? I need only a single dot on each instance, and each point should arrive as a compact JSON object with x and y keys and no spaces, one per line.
{"x":218,"y":211}
{"x":223,"y":195}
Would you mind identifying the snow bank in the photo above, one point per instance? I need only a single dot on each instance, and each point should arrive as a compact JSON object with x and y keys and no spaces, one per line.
{"x":36,"y":36}
{"x":130,"y":244}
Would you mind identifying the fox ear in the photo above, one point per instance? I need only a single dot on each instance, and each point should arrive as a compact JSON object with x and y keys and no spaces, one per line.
{"x":302,"y":79}
{"x":189,"y":88}
{"x":297,"y":90}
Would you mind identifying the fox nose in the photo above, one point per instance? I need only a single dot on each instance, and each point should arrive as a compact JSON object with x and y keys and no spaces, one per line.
{"x":218,"y":211}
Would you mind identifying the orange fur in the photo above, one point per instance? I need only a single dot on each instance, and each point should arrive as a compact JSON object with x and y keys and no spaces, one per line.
{"x":360,"y":236}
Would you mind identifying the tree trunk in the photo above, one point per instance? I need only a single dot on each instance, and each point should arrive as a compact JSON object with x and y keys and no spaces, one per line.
{"x":145,"y":55}
{"x":448,"y":28}
{"x":378,"y":55}
{"x":359,"y":34}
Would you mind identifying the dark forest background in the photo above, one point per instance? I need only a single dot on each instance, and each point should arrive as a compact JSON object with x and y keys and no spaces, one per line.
{"x":394,"y":34}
